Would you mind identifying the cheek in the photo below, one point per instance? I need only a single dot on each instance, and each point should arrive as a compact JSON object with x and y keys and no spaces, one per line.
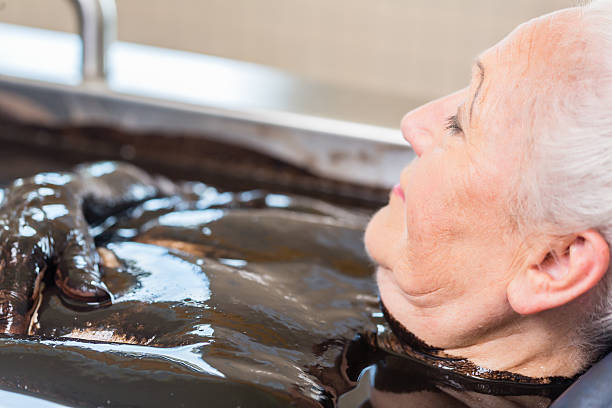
{"x":451,"y":199}
{"x":431,"y":206}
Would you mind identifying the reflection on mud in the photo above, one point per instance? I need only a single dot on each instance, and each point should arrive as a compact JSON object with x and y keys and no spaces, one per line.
{"x":222,"y":299}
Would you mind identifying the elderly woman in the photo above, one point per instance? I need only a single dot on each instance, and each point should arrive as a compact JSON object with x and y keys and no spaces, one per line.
{"x":503,"y":222}
{"x":495,"y":239}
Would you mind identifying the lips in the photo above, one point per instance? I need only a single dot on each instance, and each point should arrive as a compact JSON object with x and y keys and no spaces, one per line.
{"x":397,"y":189}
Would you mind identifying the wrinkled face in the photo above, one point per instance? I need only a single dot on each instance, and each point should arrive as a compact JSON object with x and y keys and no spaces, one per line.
{"x":447,"y":243}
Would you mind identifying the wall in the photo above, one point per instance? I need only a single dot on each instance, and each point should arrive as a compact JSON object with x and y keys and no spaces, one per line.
{"x":411,"y":49}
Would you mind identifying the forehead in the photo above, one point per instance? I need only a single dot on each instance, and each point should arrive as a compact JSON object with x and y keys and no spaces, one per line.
{"x":539,"y":56}
{"x":541,"y":46}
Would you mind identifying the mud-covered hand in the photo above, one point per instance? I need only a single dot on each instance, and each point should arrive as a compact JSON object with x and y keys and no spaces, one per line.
{"x":43,"y":227}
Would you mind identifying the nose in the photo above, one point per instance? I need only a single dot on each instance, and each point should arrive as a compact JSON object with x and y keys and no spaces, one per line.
{"x":423,"y":127}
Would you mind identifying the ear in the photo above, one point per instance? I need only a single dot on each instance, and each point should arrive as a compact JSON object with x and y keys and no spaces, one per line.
{"x":574,"y":265}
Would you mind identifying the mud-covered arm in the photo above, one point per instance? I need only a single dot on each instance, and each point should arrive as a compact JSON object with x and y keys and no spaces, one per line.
{"x":43,"y":225}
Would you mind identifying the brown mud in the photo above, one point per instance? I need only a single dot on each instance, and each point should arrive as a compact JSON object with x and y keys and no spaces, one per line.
{"x":221,"y":299}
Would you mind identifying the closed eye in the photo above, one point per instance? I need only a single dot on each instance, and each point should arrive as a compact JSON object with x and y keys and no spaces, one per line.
{"x":452,"y":125}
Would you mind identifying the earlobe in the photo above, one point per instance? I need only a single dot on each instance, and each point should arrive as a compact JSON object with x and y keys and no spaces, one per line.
{"x":564,"y":273}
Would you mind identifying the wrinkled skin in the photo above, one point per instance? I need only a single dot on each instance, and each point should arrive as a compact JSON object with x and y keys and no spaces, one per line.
{"x":43,"y":225}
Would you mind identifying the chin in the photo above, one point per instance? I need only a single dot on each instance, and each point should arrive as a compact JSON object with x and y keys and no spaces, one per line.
{"x":413,"y":329}
{"x":374,"y":237}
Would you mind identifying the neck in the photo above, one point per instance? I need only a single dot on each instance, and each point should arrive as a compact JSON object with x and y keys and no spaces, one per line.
{"x":536,"y":346}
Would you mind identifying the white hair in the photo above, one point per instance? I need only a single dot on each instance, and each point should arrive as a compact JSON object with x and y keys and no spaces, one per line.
{"x":568,"y":183}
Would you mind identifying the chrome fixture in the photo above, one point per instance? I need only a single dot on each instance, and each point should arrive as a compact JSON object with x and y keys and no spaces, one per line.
{"x":98,"y":30}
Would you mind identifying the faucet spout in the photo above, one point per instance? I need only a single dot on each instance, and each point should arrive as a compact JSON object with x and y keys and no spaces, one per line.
{"x":98,"y":30}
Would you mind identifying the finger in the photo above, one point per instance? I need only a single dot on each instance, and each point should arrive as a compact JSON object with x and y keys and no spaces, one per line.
{"x":21,"y":271}
{"x":78,"y":275}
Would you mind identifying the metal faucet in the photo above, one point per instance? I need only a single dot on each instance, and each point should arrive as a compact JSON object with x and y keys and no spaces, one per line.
{"x":98,"y":30}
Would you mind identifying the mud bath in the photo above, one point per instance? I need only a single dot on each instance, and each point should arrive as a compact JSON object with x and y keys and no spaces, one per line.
{"x":234,"y":299}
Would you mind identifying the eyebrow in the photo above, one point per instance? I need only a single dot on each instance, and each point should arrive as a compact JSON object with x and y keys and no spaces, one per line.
{"x":480,"y":81}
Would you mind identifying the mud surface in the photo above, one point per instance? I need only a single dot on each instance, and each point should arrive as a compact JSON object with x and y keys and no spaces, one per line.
{"x":226,"y":299}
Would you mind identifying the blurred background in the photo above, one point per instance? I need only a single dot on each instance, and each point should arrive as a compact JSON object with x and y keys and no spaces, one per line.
{"x":397,"y":54}
{"x":294,"y":95}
